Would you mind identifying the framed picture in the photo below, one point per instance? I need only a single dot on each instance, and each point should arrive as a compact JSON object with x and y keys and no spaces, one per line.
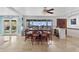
{"x":73,"y":21}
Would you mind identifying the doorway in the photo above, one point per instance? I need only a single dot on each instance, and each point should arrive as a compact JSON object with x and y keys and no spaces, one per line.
{"x":10,"y":27}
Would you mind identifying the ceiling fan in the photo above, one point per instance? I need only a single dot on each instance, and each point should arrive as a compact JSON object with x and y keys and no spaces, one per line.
{"x":46,"y":10}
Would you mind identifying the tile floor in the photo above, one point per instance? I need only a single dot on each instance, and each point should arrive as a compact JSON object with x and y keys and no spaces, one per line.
{"x":17,"y":44}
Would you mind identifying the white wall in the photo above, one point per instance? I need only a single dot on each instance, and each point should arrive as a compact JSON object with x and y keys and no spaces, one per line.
{"x":69,"y":22}
{"x":73,"y":32}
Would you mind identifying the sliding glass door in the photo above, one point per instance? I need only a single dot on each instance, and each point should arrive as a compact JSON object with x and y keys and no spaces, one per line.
{"x":7,"y":26}
{"x":10,"y":27}
{"x":13,"y":26}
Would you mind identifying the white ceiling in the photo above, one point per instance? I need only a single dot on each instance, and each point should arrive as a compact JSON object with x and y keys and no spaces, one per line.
{"x":37,"y":11}
{"x":6,"y":11}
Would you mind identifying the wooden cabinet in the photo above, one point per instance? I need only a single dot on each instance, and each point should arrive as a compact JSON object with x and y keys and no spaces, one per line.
{"x":62,"y":23}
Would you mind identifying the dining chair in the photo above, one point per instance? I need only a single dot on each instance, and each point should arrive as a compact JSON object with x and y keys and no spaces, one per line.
{"x":44,"y":37}
{"x":34,"y":37}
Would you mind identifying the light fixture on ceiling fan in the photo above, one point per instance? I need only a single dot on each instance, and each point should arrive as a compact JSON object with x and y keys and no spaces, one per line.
{"x":46,"y":10}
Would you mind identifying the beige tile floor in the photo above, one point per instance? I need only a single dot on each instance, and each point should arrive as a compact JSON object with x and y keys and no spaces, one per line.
{"x":17,"y":44}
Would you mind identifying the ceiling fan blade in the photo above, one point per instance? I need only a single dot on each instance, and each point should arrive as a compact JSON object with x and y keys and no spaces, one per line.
{"x":50,"y":9}
{"x":50,"y":12}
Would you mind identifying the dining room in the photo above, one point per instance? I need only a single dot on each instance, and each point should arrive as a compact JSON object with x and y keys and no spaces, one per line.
{"x":39,"y":30}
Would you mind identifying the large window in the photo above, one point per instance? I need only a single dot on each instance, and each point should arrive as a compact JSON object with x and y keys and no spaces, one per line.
{"x":40,"y":22}
{"x":49,"y":23}
{"x":37,"y":23}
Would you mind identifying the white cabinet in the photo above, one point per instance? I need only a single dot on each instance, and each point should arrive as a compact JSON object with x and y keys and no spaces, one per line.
{"x":62,"y":33}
